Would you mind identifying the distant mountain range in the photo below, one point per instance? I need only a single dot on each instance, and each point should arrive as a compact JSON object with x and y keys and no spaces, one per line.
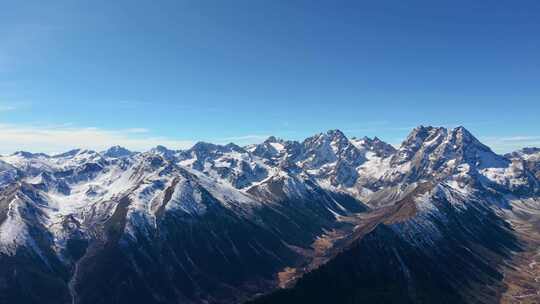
{"x":331,"y":219}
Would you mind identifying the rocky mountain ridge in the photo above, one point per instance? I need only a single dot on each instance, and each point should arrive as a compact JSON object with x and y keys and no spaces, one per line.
{"x":224,"y":223}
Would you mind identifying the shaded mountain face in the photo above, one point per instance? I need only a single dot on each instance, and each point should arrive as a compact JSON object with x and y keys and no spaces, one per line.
{"x":374,"y":145}
{"x":447,"y":249}
{"x":117,"y":152}
{"x":224,"y":224}
{"x":530,"y":157}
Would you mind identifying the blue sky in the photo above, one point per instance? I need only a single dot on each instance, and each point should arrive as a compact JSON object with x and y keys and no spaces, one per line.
{"x":139,"y":73}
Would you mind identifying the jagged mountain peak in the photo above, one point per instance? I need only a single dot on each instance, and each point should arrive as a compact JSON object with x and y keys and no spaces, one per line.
{"x":525,"y":153}
{"x":463,"y":136}
{"x":69,"y":153}
{"x":162,"y":151}
{"x":439,"y":152}
{"x":202,"y":147}
{"x":214,"y":206}
{"x":76,"y":153}
{"x":332,"y":157}
{"x":334,"y":138}
{"x":530,"y":150}
{"x":161,"y":148}
{"x":335,"y":133}
{"x":271,"y":148}
{"x":26,"y":154}
{"x":423,"y":133}
{"x":117,"y":152}
{"x":234,"y":147}
{"x":375,"y":145}
{"x":428,"y":132}
{"x":429,"y":136}
{"x":77,"y":157}
{"x":531,"y":158}
{"x":273,"y":139}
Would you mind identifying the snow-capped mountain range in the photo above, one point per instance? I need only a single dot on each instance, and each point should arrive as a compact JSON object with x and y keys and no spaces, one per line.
{"x":224,"y":223}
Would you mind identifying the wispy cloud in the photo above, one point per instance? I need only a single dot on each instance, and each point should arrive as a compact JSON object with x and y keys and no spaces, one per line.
{"x":137,"y":130}
{"x":52,"y":139}
{"x":519,"y":138}
{"x":8,"y":106}
{"x":5,"y":108}
{"x":511,"y":143}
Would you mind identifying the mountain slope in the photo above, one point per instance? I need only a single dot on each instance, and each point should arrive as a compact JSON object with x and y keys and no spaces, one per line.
{"x":223,"y":223}
{"x":450,"y":251}
{"x":147,"y":213}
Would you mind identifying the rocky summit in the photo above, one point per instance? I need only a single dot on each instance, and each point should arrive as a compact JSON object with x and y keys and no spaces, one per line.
{"x":331,"y":219}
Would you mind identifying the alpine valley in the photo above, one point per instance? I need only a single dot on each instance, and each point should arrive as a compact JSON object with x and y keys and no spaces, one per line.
{"x":331,"y":219}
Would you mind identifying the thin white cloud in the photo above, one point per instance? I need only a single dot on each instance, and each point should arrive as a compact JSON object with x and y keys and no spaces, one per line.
{"x":53,"y":139}
{"x":8,"y":106}
{"x":137,"y":130}
{"x":511,"y":143}
{"x":5,"y":108}
{"x":519,"y":138}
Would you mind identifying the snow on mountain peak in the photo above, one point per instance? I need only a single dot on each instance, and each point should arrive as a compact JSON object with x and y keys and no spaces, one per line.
{"x":527,"y":153}
{"x":117,"y":152}
{"x":225,"y":196}
{"x":375,"y":145}
{"x":272,"y":139}
{"x":438,"y":153}
{"x":163,"y":151}
{"x":29,"y":154}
